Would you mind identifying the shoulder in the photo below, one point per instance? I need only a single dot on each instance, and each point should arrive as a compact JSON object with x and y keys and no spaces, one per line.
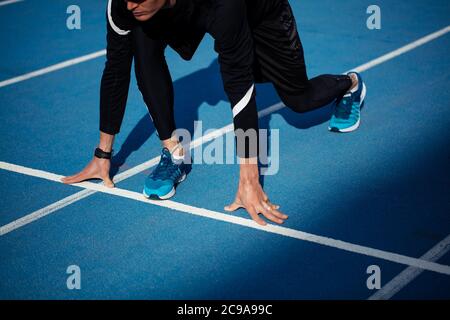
{"x":227,"y":4}
{"x":227,"y":12}
{"x":226,"y":18}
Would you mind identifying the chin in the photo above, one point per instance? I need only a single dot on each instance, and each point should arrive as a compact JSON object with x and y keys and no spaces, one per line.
{"x":143,"y":17}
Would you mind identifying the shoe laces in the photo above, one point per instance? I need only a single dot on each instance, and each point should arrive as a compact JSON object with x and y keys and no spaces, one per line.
{"x":344,"y":107}
{"x":166,"y":169}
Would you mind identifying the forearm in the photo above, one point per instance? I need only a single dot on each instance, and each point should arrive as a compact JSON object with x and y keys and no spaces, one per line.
{"x":106,"y":141}
{"x":115,"y":81}
{"x":113,"y":97}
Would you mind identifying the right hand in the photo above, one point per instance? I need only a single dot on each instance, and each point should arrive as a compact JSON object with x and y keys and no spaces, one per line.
{"x":96,"y":169}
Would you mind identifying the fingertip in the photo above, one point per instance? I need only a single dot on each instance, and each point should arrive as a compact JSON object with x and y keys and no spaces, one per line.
{"x":262,"y":223}
{"x":108,"y":184}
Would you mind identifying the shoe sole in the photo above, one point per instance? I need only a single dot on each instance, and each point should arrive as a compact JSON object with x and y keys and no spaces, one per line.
{"x":169,"y":195}
{"x":356,"y":125}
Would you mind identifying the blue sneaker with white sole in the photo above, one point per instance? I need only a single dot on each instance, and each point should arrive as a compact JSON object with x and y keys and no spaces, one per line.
{"x":347,"y":113}
{"x":161,"y":183}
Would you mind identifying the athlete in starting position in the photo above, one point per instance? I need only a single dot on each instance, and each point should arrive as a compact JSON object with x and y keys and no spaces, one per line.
{"x":256,"y":40}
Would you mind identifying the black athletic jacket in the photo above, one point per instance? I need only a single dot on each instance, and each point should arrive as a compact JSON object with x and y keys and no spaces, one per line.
{"x":182,"y":28}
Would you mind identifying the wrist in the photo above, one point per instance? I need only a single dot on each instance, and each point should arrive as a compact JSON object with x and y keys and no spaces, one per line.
{"x":249,"y":171}
{"x":105,"y":148}
{"x":106,"y":142}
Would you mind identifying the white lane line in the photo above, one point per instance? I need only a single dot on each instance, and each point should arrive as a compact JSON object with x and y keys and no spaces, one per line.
{"x":4,"y":3}
{"x":38,"y":214}
{"x":389,"y":56}
{"x":52,"y":68}
{"x":393,"y":54}
{"x":411,"y":273}
{"x":142,"y":167}
{"x":338,"y":244}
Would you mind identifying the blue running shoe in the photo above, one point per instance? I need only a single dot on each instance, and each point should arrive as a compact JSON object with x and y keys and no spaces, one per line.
{"x":347,"y":113}
{"x":161,"y":183}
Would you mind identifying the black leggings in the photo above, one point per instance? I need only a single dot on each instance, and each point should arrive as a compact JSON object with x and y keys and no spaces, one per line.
{"x":279,"y":59}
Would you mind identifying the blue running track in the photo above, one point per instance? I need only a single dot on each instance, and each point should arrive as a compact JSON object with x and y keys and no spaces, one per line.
{"x":385,"y":186}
